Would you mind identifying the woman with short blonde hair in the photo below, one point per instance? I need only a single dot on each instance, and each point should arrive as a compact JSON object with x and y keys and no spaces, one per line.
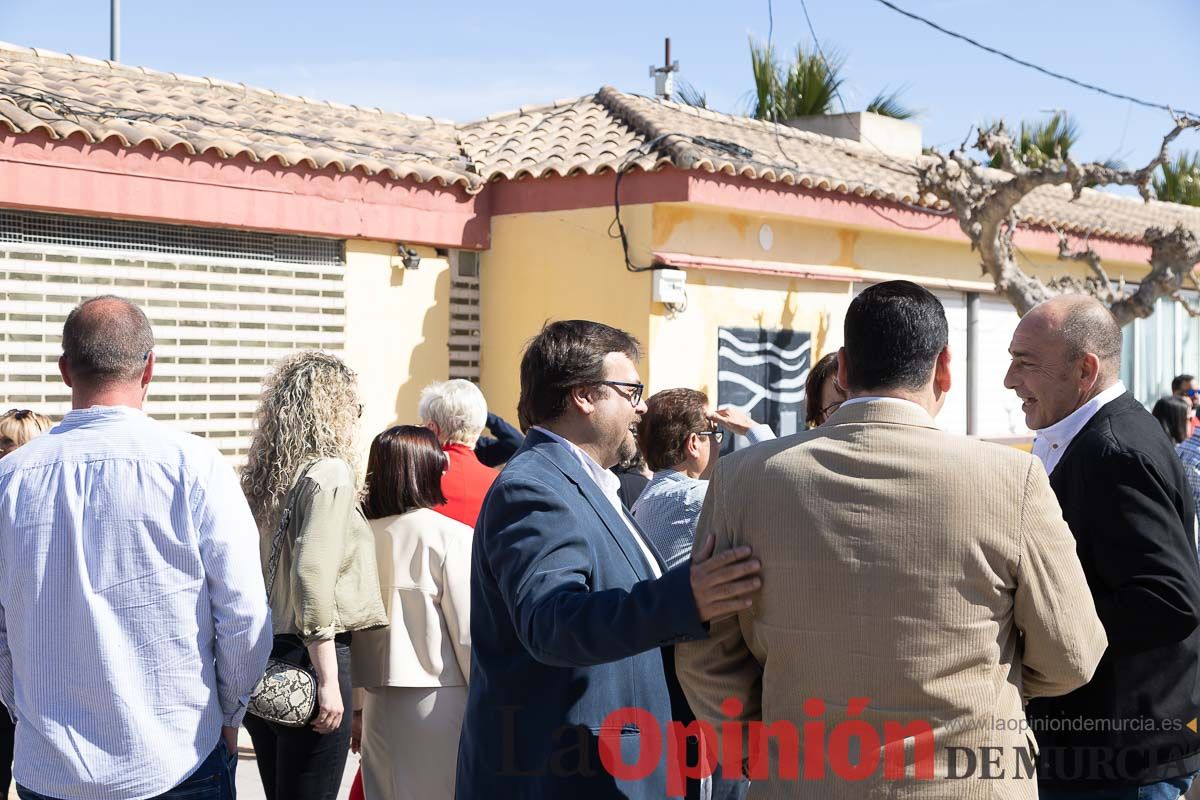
{"x":18,"y":426}
{"x":318,"y":556}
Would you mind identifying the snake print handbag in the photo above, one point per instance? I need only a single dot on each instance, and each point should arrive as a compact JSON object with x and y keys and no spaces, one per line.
{"x":287,"y":693}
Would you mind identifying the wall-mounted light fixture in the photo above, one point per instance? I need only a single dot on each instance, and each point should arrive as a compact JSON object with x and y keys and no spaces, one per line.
{"x":408,"y":256}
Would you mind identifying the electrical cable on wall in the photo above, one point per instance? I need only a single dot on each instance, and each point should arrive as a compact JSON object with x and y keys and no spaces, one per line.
{"x":746,"y":156}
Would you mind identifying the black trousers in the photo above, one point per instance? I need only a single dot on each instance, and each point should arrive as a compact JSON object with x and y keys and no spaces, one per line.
{"x":7,"y":729}
{"x":299,"y":763}
{"x":723,"y":787}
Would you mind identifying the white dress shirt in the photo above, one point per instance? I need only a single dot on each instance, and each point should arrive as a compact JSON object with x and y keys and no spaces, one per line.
{"x":609,"y":485}
{"x":133,"y":618}
{"x":1052,"y":441}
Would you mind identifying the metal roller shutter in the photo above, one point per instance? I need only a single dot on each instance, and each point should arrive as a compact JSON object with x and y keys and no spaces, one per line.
{"x":225,"y":306}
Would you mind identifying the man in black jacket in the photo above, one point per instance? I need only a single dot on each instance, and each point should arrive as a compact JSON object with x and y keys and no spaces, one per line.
{"x":1131,"y":731}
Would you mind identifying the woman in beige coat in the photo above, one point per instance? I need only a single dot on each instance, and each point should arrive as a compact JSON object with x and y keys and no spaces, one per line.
{"x":414,"y":673}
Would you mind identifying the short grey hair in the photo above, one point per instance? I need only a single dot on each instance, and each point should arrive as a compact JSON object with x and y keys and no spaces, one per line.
{"x":457,"y":407}
{"x":1089,"y":327}
{"x":107,"y":339}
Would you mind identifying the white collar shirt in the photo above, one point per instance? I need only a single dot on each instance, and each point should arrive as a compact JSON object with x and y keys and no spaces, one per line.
{"x":609,"y":485}
{"x":1052,"y":441}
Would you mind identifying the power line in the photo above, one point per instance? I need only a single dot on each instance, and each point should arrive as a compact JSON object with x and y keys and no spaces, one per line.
{"x":1082,"y":84}
{"x":905,"y":168}
{"x":817,"y":43}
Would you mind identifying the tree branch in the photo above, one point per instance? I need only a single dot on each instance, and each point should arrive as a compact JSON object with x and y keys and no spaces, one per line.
{"x":984,"y":201}
{"x":1103,"y":288}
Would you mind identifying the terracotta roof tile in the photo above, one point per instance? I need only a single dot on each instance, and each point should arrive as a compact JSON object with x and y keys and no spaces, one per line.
{"x":601,"y":132}
{"x":66,"y":95}
{"x":569,"y":137}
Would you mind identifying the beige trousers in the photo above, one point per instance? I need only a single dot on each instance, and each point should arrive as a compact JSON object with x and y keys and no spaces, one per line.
{"x":410,"y":741}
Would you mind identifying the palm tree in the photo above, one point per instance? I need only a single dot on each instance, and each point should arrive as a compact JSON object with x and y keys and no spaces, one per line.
{"x":1039,"y":142}
{"x":689,"y":95}
{"x":805,"y":87}
{"x":889,"y":104}
{"x":1180,"y":180}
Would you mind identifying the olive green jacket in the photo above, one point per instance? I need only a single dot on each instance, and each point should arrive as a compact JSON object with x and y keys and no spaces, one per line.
{"x":326,"y":582}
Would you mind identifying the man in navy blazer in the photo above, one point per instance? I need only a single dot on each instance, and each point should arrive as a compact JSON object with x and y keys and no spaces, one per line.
{"x":569,"y":602}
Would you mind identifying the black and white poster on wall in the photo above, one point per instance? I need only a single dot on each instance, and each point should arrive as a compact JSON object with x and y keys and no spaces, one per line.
{"x":762,"y":372}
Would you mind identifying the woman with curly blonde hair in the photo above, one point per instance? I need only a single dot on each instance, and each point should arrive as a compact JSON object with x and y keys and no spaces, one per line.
{"x":318,"y":556}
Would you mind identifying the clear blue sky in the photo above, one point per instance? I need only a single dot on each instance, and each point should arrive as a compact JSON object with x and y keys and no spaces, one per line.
{"x":463,"y":60}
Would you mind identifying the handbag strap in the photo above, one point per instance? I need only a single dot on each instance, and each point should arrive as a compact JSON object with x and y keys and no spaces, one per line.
{"x":280,"y":532}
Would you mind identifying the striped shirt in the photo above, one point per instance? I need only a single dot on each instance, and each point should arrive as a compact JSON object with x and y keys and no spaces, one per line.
{"x":1189,"y":454}
{"x":668,"y":509}
{"x":133,"y":619}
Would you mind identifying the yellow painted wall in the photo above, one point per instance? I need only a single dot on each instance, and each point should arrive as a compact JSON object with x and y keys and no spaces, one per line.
{"x":397,"y":331}
{"x":687,"y":228}
{"x":683,"y":350}
{"x":683,"y":346}
{"x":554,"y":266}
{"x":559,"y":265}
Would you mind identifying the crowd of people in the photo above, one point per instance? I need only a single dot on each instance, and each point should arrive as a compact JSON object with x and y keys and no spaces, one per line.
{"x":612,"y":613}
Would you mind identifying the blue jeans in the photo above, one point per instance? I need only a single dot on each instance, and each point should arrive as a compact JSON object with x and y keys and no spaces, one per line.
{"x":1172,"y":789}
{"x":212,"y":780}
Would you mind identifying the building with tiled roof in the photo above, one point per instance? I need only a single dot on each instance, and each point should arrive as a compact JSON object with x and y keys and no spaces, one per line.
{"x":246,"y":222}
{"x":611,"y":130}
{"x":251,"y":223}
{"x":775,"y":228}
{"x":65,"y":95}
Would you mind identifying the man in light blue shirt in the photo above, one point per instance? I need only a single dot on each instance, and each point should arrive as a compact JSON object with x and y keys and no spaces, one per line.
{"x":681,"y":440}
{"x":133,"y":619}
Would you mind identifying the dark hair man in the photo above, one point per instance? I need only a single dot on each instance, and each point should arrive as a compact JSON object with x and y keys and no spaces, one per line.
{"x":569,"y":603}
{"x":133,"y":619}
{"x":1125,"y":497}
{"x":915,"y":581}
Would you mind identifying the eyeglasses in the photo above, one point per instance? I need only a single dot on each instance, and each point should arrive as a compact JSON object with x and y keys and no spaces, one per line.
{"x":633,"y":397}
{"x":829,"y":409}
{"x":360,"y":410}
{"x":717,"y":434}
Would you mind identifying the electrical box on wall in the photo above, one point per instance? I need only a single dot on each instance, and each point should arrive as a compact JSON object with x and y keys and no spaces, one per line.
{"x":669,"y":286}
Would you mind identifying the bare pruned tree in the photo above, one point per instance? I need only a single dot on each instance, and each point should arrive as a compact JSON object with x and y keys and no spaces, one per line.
{"x":985,"y":200}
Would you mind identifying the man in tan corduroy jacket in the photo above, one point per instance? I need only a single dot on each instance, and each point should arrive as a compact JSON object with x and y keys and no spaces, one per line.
{"x":918,"y":586}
